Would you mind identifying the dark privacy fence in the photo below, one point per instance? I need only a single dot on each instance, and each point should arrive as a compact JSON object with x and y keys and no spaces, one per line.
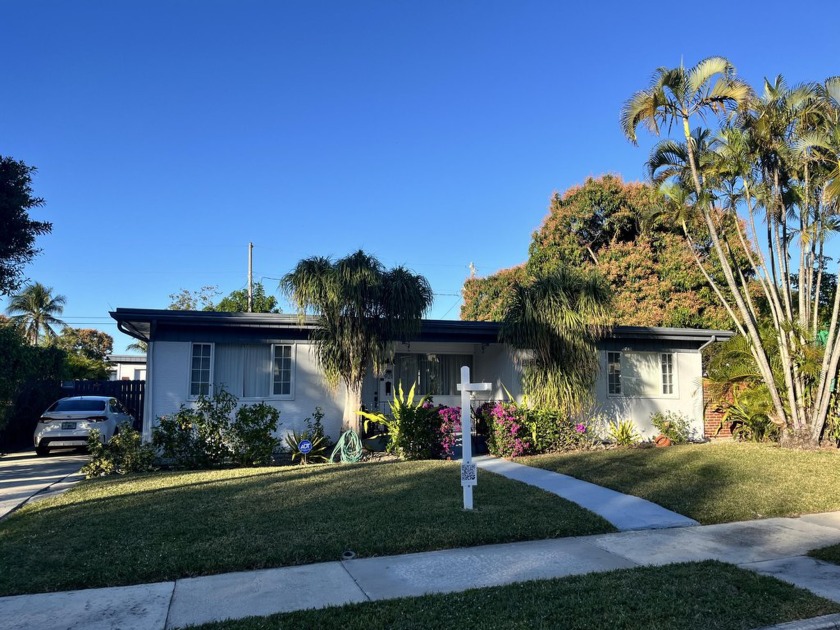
{"x":33,"y":398}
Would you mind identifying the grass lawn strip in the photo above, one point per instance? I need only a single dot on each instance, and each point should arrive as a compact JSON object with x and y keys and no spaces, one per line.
{"x":703,"y":595}
{"x":829,"y":554}
{"x":163,"y":526}
{"x":712,"y":483}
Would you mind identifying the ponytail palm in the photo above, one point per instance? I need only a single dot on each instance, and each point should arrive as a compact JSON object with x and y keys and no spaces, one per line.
{"x":555,"y":319}
{"x":363,"y":309}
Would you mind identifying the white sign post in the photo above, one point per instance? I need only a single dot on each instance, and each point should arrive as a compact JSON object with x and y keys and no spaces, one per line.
{"x":469,"y":476}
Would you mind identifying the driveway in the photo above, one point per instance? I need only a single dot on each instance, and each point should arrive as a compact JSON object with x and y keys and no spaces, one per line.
{"x":23,"y":475}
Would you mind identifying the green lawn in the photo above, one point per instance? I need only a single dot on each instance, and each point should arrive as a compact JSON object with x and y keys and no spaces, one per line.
{"x":162,"y":526}
{"x":703,"y":595}
{"x":712,"y":483}
{"x":829,"y":554}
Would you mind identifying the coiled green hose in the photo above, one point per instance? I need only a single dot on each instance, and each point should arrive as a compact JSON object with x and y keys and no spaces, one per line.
{"x":349,"y":447}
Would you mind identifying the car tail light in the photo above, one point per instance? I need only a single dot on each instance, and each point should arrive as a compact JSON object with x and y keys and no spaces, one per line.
{"x":45,"y":420}
{"x":98,"y":418}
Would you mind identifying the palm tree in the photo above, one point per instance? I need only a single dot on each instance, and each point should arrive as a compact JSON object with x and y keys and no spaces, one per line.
{"x":772,"y":156}
{"x":556,"y":317}
{"x":138,"y":346}
{"x":35,"y":309}
{"x":675,"y":96}
{"x":363,"y":309}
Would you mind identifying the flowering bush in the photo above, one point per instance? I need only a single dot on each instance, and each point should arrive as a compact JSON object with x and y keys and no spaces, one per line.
{"x":450,"y":426}
{"x":510,"y":436}
{"x":515,"y":430}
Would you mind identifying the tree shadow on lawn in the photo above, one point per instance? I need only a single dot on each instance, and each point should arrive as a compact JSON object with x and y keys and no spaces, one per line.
{"x":204,"y":525}
{"x":711,"y":483}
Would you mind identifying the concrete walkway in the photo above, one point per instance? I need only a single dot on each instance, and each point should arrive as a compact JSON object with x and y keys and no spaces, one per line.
{"x":624,"y":511}
{"x":26,"y":477}
{"x":775,"y":547}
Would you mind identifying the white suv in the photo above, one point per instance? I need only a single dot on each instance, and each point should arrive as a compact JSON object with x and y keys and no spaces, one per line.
{"x":68,"y":421}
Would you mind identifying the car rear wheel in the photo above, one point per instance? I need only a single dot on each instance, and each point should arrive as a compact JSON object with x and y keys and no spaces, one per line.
{"x":42,"y":451}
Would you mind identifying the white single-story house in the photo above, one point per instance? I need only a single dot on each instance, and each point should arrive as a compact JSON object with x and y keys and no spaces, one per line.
{"x":269,"y":358}
{"x":126,"y":367}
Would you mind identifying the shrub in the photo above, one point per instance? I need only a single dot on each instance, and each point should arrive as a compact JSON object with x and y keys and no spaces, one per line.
{"x":554,"y":431}
{"x":125,"y":453}
{"x":831,"y":433}
{"x":749,"y":417}
{"x":450,"y":426}
{"x":516,"y":429}
{"x":314,"y":432}
{"x":509,"y":435}
{"x":624,"y":433}
{"x":319,"y":447}
{"x":673,"y":425}
{"x":251,"y":437}
{"x":413,"y":428}
{"x":211,"y":434}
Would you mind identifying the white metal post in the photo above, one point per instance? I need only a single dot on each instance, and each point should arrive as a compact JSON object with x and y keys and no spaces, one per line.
{"x":469,"y":476}
{"x":466,"y":434}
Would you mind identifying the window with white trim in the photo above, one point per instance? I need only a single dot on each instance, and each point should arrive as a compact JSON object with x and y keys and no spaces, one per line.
{"x":283,"y":370}
{"x":614,"y":373}
{"x":254,"y":371}
{"x":201,"y":373}
{"x":667,"y":362}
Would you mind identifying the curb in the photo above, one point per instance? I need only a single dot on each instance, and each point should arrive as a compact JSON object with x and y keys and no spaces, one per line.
{"x":827,"y":622}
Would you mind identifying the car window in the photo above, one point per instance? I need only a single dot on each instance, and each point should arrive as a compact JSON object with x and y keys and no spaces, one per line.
{"x":71,"y":404}
{"x":115,"y":406}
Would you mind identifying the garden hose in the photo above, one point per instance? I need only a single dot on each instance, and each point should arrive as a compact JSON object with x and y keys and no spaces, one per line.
{"x":349,"y":446}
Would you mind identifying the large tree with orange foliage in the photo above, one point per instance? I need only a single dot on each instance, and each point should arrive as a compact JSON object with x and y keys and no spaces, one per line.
{"x":622,"y":231}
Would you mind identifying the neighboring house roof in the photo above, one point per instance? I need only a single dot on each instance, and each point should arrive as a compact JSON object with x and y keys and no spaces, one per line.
{"x":144,"y":323}
{"x":127,"y":358}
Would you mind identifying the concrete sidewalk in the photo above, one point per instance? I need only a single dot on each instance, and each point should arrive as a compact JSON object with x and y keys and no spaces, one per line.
{"x":775,"y":547}
{"x":624,"y":511}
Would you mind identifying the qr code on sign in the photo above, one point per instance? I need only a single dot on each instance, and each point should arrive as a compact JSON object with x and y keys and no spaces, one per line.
{"x":469,"y":474}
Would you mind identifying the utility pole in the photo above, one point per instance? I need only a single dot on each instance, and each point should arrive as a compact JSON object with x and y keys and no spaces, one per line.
{"x":250,"y":277}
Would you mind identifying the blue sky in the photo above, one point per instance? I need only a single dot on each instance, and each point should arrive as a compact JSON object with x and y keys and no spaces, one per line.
{"x":168,"y":135}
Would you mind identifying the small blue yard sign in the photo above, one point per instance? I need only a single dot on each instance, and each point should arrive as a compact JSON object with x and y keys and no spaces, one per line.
{"x":304,"y":446}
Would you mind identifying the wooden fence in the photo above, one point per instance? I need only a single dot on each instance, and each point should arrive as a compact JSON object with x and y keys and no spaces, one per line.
{"x":129,"y":393}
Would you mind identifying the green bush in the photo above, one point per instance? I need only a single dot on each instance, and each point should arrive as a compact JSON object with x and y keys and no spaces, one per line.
{"x":554,"y":431}
{"x":319,"y":447}
{"x":211,"y":434}
{"x":413,"y":428}
{"x":125,"y":453}
{"x":673,"y":425}
{"x":624,"y":433}
{"x":314,"y":432}
{"x":251,"y":435}
{"x":749,"y":416}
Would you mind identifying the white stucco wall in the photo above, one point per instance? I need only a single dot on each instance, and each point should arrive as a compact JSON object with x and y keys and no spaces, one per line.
{"x":169,"y":374}
{"x":641,"y":390}
{"x":498,"y":365}
{"x":168,"y":388}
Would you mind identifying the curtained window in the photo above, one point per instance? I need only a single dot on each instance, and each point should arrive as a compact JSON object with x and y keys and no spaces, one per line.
{"x":245,"y":370}
{"x":435,"y":374}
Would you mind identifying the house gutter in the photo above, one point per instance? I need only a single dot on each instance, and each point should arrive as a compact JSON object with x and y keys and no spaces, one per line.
{"x":707,"y":344}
